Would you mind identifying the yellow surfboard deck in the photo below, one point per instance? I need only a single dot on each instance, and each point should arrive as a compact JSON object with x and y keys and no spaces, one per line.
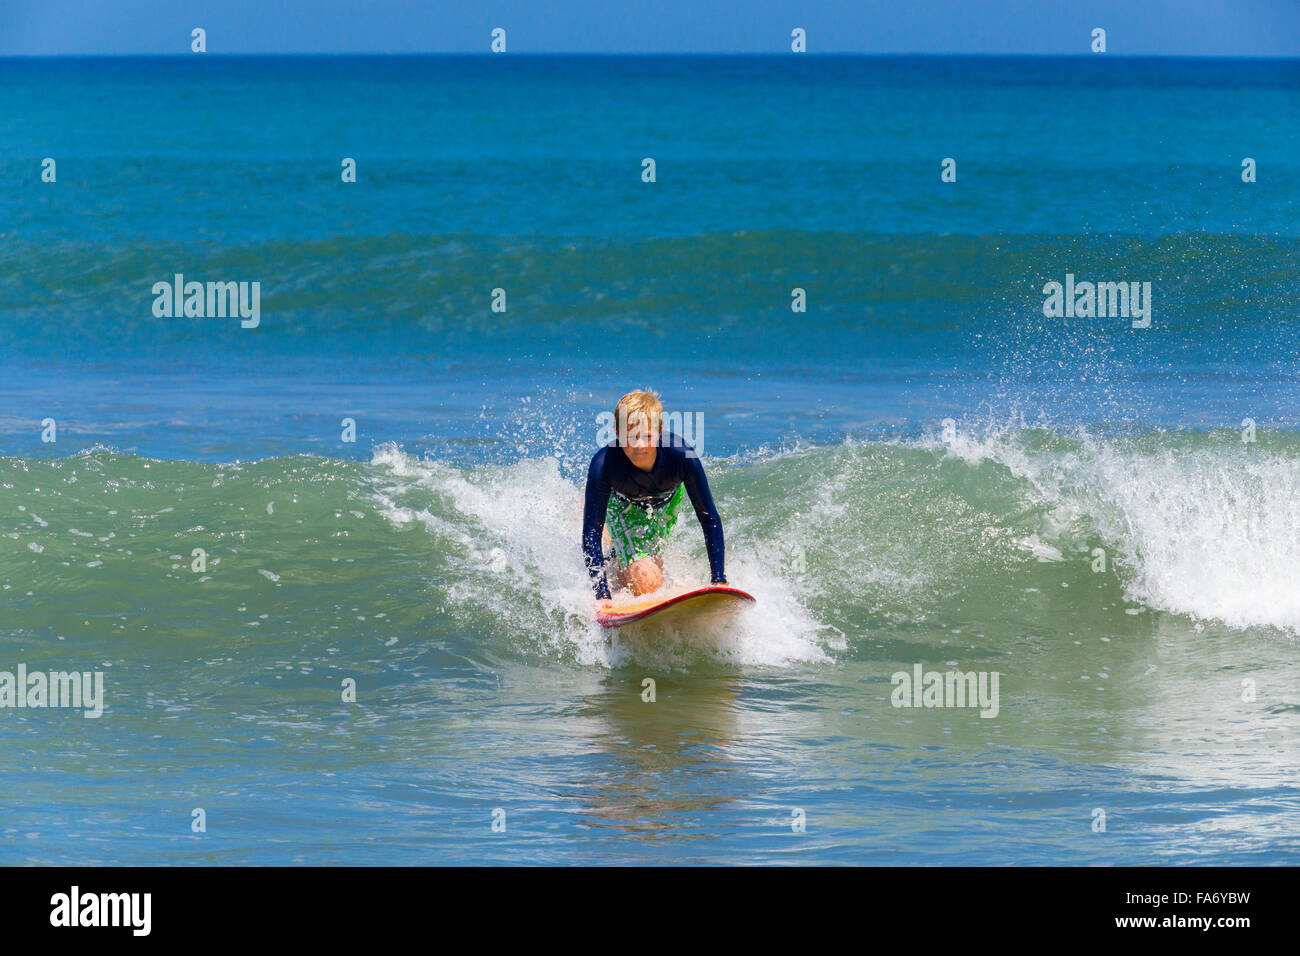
{"x":700,"y":602}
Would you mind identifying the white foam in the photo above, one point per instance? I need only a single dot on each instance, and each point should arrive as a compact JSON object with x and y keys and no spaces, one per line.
{"x":1211,"y":532}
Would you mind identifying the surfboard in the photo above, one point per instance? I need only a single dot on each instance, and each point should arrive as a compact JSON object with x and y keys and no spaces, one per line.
{"x":701,"y":602}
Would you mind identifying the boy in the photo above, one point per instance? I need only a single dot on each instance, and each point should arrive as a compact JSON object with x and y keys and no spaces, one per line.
{"x":637,"y":482}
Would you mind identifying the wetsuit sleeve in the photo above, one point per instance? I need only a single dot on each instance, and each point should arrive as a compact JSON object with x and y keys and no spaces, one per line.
{"x":593,"y":523}
{"x":697,"y":486}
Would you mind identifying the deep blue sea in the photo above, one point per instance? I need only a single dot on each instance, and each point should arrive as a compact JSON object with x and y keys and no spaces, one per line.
{"x":920,"y":466}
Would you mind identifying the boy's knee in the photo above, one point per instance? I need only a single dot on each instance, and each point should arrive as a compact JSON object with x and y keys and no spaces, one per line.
{"x":645,"y":575}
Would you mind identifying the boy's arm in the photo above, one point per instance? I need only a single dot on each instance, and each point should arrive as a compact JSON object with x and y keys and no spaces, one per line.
{"x":697,"y":486}
{"x":593,"y":523}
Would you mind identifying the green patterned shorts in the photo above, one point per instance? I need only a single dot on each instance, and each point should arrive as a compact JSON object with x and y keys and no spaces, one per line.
{"x":639,"y":532}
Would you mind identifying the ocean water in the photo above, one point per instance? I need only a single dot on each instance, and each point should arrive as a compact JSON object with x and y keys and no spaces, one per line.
{"x":920,"y":469}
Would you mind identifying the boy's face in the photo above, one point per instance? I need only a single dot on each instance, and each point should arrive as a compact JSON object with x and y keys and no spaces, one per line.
{"x":642,"y":437}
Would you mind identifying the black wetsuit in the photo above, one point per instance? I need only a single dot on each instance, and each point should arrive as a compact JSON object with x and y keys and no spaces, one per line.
{"x":675,"y":464}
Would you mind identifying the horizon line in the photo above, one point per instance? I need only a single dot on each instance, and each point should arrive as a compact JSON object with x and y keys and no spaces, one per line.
{"x":642,"y":53}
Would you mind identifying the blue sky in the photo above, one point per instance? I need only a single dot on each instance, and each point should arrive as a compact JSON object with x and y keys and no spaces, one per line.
{"x":1134,"y":27}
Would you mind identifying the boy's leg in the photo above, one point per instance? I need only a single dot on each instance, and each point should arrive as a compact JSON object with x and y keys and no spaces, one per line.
{"x":637,"y":536}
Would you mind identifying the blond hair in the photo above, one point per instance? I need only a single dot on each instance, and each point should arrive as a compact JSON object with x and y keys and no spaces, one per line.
{"x":635,"y":407}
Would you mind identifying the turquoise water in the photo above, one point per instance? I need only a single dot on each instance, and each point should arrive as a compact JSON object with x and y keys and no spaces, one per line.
{"x":435,"y":559}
